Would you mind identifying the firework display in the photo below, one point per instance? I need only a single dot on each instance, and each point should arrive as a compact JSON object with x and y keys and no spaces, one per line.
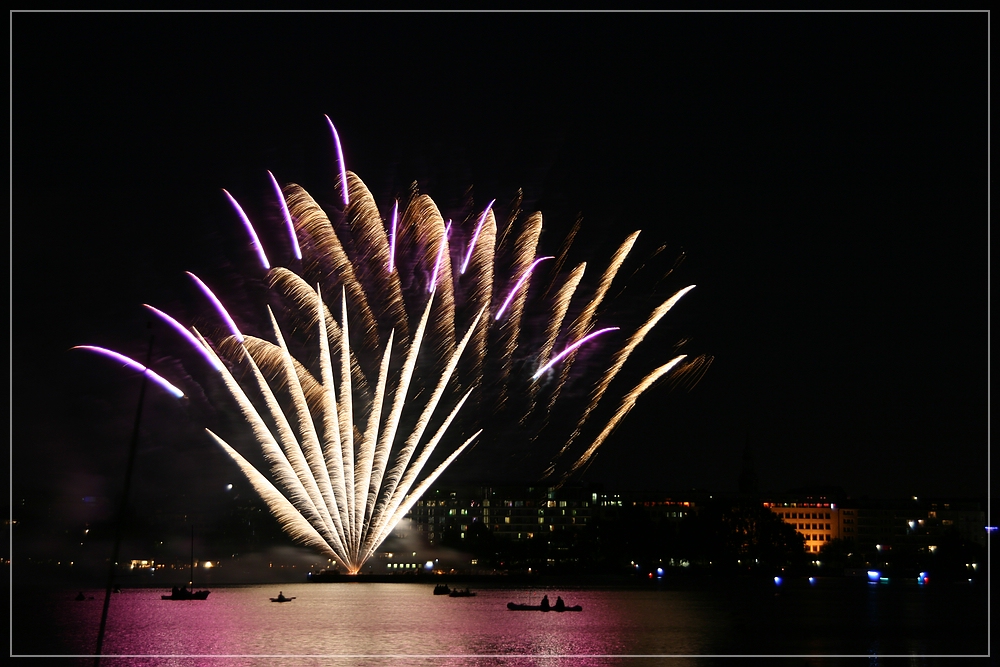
{"x":445,"y":331}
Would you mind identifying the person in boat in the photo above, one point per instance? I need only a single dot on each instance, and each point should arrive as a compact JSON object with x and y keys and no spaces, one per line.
{"x":281,"y":596}
{"x":560,"y":605}
{"x":79,"y":596}
{"x":175,"y":591}
{"x":545,"y":603}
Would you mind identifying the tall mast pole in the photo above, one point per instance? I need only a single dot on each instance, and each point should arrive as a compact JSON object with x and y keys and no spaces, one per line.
{"x":134,"y":445}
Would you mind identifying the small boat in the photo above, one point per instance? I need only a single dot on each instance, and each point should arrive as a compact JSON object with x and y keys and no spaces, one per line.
{"x":185,"y":594}
{"x":442,"y":589}
{"x":282,"y":598}
{"x":461,"y":594}
{"x":537,"y":607}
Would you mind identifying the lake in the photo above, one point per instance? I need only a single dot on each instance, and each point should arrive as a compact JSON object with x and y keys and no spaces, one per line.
{"x":404,"y":623}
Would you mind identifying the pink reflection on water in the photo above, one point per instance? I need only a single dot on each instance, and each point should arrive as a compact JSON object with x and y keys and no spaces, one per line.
{"x":400,"y":623}
{"x":404,"y":624}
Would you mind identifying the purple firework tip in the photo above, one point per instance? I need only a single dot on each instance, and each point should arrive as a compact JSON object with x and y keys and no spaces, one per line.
{"x":392,"y":235}
{"x":562,"y":355}
{"x":437,"y":262}
{"x":187,"y":335}
{"x":218,"y":306}
{"x":254,"y":241}
{"x":517,"y":286}
{"x":131,"y":363}
{"x":475,"y":236}
{"x":286,"y":216}
{"x":340,"y":160}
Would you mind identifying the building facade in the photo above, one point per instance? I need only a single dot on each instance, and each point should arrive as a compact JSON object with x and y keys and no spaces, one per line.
{"x":818,"y":522}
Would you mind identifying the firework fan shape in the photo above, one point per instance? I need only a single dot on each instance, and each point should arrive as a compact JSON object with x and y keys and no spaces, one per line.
{"x":431,"y":318}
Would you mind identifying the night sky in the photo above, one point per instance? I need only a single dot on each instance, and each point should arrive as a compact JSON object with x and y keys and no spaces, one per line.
{"x":824,"y":175}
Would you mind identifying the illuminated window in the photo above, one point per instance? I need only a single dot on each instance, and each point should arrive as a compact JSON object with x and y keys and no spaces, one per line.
{"x":506,"y":519}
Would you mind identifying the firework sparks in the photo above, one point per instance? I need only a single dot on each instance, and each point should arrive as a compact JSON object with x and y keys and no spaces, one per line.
{"x":569,"y":350}
{"x":475,"y":235}
{"x":134,"y":365}
{"x":254,"y":241}
{"x":370,"y":397}
{"x":188,"y":336}
{"x":219,"y":308}
{"x":286,"y":216}
{"x":392,"y":235}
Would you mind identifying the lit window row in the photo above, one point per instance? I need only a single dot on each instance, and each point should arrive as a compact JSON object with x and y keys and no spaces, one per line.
{"x":803,"y":515}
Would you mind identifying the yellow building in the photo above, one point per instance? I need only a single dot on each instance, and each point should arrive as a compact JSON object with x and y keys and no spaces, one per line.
{"x":817,"y":522}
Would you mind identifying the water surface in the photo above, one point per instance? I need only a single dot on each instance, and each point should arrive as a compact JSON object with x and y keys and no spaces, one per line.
{"x":392,"y":623}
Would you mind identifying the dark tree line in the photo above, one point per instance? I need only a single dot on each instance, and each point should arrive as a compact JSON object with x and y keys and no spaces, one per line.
{"x":744,"y":537}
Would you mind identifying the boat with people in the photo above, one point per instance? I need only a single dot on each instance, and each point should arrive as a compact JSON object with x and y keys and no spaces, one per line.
{"x":537,"y":607}
{"x":281,"y":598}
{"x":458,"y":593}
{"x":442,"y":589}
{"x":544,"y":606}
{"x":183,"y":593}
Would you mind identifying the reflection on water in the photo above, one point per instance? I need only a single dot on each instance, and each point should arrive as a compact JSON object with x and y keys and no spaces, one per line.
{"x":385,"y":622}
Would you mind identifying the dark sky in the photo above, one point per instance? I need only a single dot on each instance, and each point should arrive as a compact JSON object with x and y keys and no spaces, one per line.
{"x":825,"y":175}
